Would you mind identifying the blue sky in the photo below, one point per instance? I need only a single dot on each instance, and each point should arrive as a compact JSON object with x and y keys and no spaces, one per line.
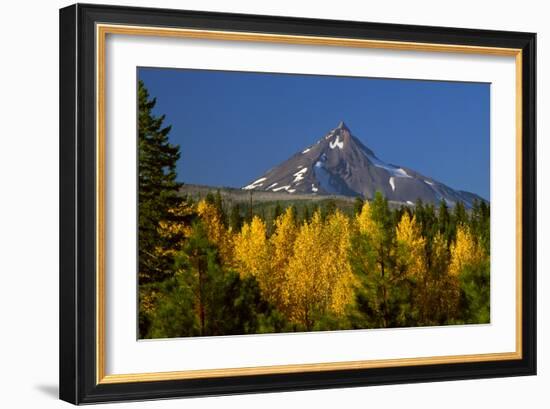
{"x":233,"y":126}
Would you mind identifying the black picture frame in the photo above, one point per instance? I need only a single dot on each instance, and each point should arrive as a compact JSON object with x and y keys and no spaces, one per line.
{"x":78,"y":257}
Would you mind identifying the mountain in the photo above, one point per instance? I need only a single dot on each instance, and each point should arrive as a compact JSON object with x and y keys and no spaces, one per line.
{"x":339,"y":164}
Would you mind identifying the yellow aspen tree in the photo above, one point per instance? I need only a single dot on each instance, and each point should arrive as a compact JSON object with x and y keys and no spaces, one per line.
{"x":464,"y":251}
{"x":251,"y":250}
{"x":319,"y":276}
{"x":366,"y":224}
{"x":373,"y":235}
{"x":411,"y":262}
{"x":216,"y":231}
{"x":368,"y":232}
{"x":411,"y":248}
{"x":301,"y":276}
{"x":469,"y":266}
{"x":336,"y":265}
{"x":281,"y":245}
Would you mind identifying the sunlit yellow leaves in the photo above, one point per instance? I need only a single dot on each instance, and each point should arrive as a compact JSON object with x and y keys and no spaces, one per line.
{"x":281,"y":249}
{"x":465,"y":251}
{"x":216,"y":231}
{"x":410,"y":247}
{"x":319,"y":274}
{"x":339,"y":275}
{"x":251,"y":250}
{"x":365,"y":222}
{"x":321,"y":271}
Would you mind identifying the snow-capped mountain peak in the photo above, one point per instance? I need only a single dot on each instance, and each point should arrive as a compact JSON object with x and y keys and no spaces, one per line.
{"x":340,"y":164}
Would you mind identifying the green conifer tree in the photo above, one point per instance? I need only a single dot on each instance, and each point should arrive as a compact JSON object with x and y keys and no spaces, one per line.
{"x":277,"y":211}
{"x":218,"y":203}
{"x":358,"y":205}
{"x":235,"y":218}
{"x":158,"y":187}
{"x":306,"y":216}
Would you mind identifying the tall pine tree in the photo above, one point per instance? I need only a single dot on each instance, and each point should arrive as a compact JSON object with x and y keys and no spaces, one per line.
{"x":157,"y":187}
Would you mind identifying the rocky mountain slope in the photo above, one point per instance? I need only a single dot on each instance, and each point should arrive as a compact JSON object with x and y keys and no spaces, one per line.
{"x":340,"y":164}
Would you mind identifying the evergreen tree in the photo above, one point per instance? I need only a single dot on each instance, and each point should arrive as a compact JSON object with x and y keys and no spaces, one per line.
{"x":157,"y":187}
{"x":239,"y":308}
{"x":425,"y":215}
{"x":444,"y":220}
{"x":277,"y":211}
{"x":210,"y":198}
{"x":307,"y":216}
{"x":218,"y":204}
{"x":475,"y":294}
{"x":235,"y":218}
{"x":480,"y":223}
{"x":330,"y":208}
{"x":294,"y":211}
{"x":197,"y":264}
{"x":484,"y":231}
{"x":383,"y":299}
{"x":171,"y":314}
{"x":460,"y":215}
{"x":202,"y":299}
{"x":470,"y":266}
{"x":358,"y":205}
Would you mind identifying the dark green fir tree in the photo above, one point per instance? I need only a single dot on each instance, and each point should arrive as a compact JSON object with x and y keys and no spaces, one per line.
{"x":158,"y":187}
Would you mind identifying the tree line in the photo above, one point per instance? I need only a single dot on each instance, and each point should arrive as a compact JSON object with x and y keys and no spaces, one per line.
{"x":212,"y":268}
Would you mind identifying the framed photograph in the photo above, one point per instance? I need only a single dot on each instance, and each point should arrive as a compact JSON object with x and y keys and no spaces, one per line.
{"x":257,"y":203}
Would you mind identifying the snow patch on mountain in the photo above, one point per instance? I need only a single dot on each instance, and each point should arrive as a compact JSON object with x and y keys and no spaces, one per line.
{"x":281,"y":188}
{"x":394,"y":170}
{"x":255,"y":184}
{"x":299,"y":175}
{"x":337,"y":143}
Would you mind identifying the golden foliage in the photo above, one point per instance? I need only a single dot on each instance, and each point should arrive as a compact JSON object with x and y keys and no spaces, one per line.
{"x":464,"y":251}
{"x":319,"y":275}
{"x":365,"y":222}
{"x":410,"y":247}
{"x":337,"y":234}
{"x":251,"y":250}
{"x":216,"y":231}
{"x":281,"y":249}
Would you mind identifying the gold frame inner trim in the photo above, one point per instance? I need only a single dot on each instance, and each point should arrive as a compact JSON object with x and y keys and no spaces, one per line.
{"x":102,"y":30}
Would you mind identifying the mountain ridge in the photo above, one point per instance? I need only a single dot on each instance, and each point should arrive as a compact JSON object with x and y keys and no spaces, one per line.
{"x":339,"y":163}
